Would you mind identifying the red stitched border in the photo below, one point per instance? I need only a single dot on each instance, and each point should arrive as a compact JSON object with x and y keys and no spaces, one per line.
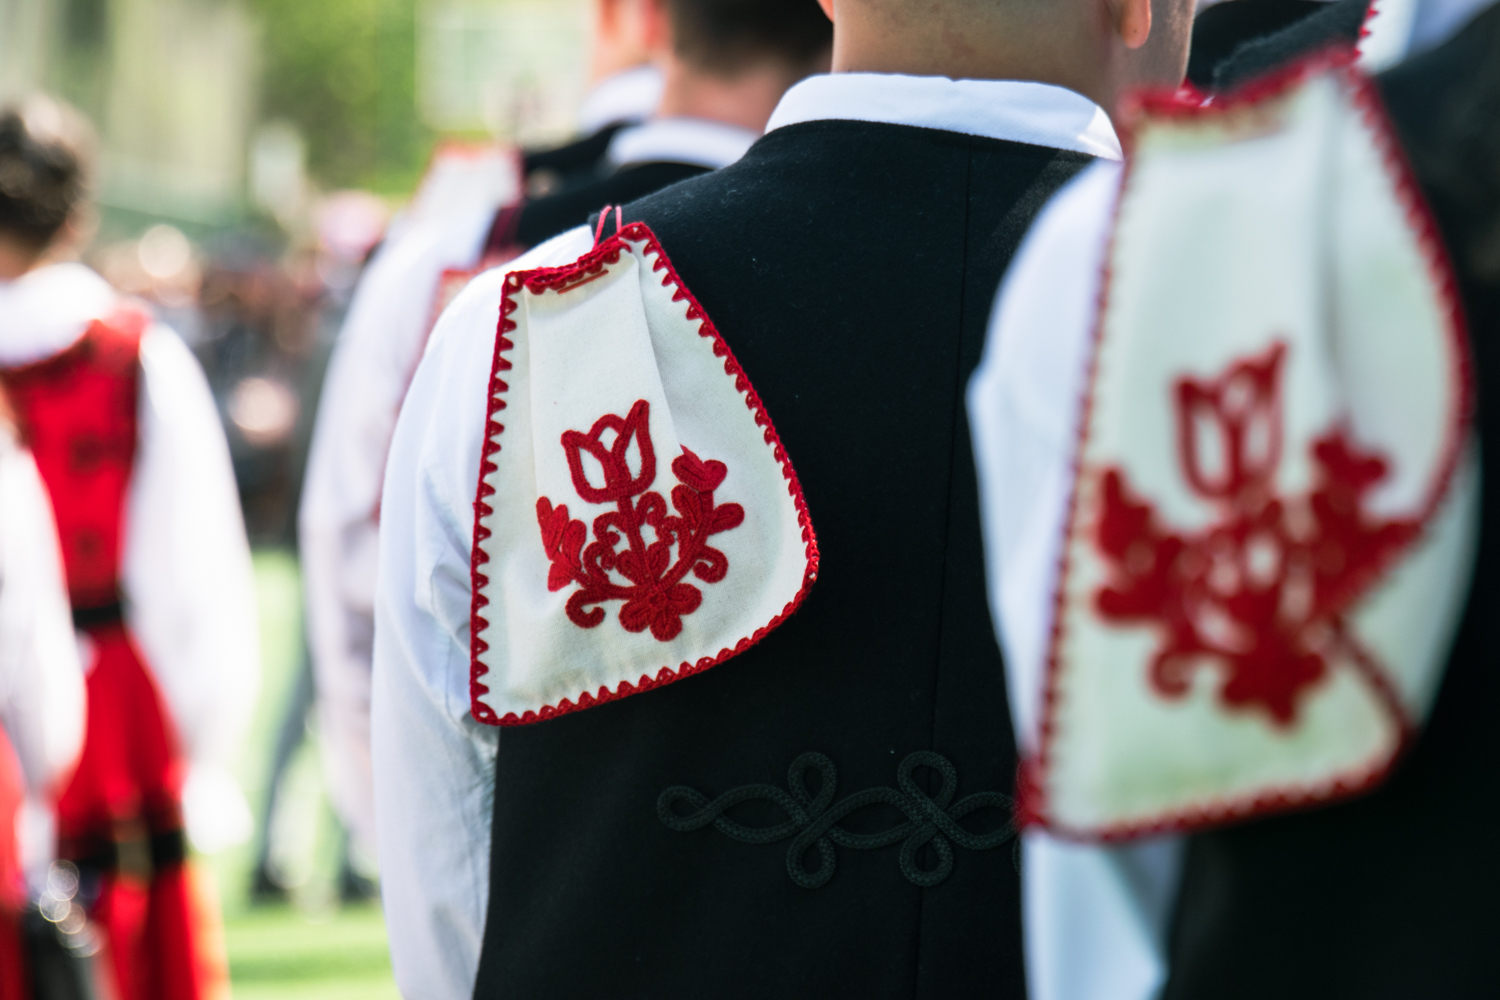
{"x":1031,"y":786}
{"x":536,"y":281}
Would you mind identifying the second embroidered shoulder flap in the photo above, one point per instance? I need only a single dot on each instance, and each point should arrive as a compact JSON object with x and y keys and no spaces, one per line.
{"x":1270,"y":536}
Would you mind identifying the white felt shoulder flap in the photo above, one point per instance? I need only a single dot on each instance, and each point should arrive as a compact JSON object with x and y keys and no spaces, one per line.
{"x":1273,"y":515}
{"x":637,"y":519}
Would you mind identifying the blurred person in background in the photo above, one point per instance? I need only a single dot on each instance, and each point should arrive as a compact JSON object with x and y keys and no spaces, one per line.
{"x":724,"y":67}
{"x":626,"y":88}
{"x":1390,"y":894}
{"x":683,"y":812}
{"x":442,"y":232}
{"x":123,"y":428}
{"x":41,"y":705}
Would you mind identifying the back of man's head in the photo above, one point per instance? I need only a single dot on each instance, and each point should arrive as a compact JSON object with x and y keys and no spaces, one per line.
{"x":724,"y":37}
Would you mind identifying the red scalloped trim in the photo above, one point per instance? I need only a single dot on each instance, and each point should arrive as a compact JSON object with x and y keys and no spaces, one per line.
{"x":1031,"y":784}
{"x":585,"y":269}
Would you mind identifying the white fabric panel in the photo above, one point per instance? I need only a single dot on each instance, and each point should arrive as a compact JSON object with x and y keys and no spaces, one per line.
{"x":1095,"y":917}
{"x":617,"y":344}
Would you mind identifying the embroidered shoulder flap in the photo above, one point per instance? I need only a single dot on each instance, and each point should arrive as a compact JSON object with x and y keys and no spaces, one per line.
{"x":636,"y":520}
{"x":1272,"y":525}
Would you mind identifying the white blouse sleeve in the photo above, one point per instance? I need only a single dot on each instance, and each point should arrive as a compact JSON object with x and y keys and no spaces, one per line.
{"x":188,"y":581}
{"x":1095,"y":917}
{"x":434,"y":765}
{"x":41,"y":683}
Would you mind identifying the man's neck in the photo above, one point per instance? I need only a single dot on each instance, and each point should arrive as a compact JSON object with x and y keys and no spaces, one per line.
{"x":745,"y":100}
{"x":931,"y":41}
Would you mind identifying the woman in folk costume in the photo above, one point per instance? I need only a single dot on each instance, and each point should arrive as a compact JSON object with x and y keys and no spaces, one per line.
{"x":41,"y":693}
{"x":126,"y":437}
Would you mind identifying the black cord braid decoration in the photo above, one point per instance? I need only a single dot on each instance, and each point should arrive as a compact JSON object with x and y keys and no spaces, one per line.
{"x":812,"y":820}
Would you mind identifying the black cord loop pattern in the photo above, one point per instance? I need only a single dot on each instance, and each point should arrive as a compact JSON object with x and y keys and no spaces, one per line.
{"x":812,"y":820}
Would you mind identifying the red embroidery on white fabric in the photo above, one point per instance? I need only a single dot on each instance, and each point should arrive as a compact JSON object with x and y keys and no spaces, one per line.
{"x":1262,"y":590}
{"x":656,"y":596}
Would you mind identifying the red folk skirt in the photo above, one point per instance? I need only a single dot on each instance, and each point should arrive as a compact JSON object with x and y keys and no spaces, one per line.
{"x":120,"y":821}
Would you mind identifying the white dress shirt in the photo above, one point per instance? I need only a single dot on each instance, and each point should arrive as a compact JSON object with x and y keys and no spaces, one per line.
{"x":372,"y":365}
{"x":433,"y":762}
{"x":695,"y":141}
{"x":186,"y":562}
{"x":1095,"y":918}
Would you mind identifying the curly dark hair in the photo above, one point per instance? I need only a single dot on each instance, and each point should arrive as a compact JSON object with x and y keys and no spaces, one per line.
{"x":45,"y":153}
{"x":728,"y":34}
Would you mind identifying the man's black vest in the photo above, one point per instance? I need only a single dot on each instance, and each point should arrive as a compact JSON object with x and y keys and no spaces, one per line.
{"x":851,"y":268}
{"x":1396,"y":895}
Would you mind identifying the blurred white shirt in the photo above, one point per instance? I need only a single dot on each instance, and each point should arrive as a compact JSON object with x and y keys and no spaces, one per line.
{"x":1095,"y":918}
{"x":186,"y":566}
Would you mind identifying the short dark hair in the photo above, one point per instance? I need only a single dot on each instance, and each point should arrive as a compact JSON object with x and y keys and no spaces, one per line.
{"x":728,"y":34}
{"x":45,"y":155}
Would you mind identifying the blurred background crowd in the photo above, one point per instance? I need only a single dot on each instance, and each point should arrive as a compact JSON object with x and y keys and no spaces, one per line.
{"x":251,"y":154}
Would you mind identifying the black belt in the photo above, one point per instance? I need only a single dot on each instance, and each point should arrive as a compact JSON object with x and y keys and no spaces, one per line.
{"x":137,"y":857}
{"x":97,"y":615}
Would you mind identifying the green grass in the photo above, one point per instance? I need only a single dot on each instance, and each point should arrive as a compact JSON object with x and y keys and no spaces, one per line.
{"x":281,"y":952}
{"x":308,"y":949}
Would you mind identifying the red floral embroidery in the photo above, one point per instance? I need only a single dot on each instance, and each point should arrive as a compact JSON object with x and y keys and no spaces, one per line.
{"x":656,"y":596}
{"x":1262,"y":591}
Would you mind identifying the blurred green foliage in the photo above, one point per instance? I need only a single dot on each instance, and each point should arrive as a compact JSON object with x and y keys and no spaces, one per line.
{"x":344,"y":72}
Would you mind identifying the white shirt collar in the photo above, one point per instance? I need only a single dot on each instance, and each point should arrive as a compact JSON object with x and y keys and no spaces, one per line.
{"x":46,"y":310}
{"x":1036,"y":113}
{"x":627,"y":96}
{"x":697,"y":141}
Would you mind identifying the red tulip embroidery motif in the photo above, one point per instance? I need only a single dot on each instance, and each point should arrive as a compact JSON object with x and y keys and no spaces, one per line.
{"x":644,"y":575}
{"x":1262,"y":591}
